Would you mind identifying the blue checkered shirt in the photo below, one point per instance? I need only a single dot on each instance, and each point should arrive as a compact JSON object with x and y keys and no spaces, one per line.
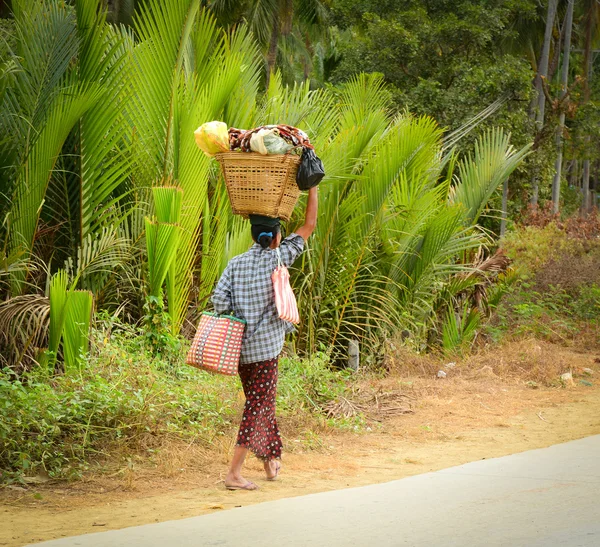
{"x":246,"y":291}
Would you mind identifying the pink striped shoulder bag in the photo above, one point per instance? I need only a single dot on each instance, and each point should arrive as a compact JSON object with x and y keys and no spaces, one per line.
{"x":285,"y":300}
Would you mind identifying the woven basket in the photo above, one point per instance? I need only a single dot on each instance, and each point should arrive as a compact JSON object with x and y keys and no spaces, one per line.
{"x":261,"y":185}
{"x":217,"y":344}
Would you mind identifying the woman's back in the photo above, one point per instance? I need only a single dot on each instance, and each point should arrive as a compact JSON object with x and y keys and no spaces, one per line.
{"x":246,"y":290}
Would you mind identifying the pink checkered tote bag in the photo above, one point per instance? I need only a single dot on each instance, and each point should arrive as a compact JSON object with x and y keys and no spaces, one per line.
{"x":285,"y":300}
{"x":217,"y":344}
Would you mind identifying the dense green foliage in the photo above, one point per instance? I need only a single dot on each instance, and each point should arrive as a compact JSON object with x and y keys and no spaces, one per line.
{"x":108,"y":185}
{"x":452,"y":59}
{"x":444,"y":59}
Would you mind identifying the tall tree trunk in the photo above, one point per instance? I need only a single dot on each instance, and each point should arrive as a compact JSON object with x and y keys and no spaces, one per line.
{"x":571,"y":172}
{"x":561,"y":123}
{"x":587,"y":66}
{"x":307,"y":60}
{"x":272,"y":53}
{"x":595,"y":184}
{"x":553,"y":65}
{"x":585,"y":186}
{"x":542,"y":72}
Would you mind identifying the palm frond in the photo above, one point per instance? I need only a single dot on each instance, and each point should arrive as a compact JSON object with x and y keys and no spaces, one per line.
{"x":454,"y":137}
{"x":459,"y":329}
{"x":34,"y":174}
{"x":167,"y":205}
{"x":193,"y":167}
{"x":58,"y":297}
{"x":161,"y":242}
{"x":104,"y":131}
{"x":24,"y":322}
{"x":480,"y":174}
{"x":78,"y":315}
{"x":263,"y":15}
{"x":98,"y":257}
{"x":157,"y":61}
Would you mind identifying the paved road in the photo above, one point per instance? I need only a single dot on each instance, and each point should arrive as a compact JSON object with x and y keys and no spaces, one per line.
{"x":547,"y":497}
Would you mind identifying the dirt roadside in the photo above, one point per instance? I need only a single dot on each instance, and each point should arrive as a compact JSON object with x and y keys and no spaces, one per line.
{"x":455,"y":421}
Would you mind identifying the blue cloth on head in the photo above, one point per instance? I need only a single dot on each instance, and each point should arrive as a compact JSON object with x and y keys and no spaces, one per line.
{"x":270,"y":234}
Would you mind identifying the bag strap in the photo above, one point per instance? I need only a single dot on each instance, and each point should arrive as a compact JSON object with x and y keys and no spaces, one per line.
{"x":279,"y":261}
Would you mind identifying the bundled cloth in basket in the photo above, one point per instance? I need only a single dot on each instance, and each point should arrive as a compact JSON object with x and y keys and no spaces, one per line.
{"x":285,"y":299}
{"x":217,"y":344}
{"x":241,"y":139}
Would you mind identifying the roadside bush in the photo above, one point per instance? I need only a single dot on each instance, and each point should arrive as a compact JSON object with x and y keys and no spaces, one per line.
{"x":309,"y":384}
{"x":558,"y":295}
{"x":551,"y":256}
{"x":58,"y":426}
{"x":123,"y":397}
{"x":531,"y":247}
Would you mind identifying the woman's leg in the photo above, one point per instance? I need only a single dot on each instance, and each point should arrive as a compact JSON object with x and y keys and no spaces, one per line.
{"x":272,"y":468}
{"x":234,"y":476}
{"x":271,"y":449}
{"x":258,"y":431}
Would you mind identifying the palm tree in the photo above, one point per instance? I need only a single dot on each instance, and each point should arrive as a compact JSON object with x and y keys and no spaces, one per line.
{"x":286,"y":29}
{"x":75,"y":97}
{"x":391,"y":226}
{"x":542,"y":72}
{"x":590,"y":23}
{"x":120,"y":11}
{"x":568,"y":24}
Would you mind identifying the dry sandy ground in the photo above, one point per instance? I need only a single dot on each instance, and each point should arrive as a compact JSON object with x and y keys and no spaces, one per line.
{"x":455,"y":421}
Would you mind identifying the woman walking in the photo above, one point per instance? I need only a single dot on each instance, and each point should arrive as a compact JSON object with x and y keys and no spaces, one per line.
{"x":246,"y":290}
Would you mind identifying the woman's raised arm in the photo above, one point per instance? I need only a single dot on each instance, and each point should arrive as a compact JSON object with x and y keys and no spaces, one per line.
{"x":310,"y":218}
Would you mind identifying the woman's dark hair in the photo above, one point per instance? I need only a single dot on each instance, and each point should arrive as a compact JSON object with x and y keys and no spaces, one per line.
{"x":264,"y":235}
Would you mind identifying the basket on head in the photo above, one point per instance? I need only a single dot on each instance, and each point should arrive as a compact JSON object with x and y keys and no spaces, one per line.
{"x":261,"y":185}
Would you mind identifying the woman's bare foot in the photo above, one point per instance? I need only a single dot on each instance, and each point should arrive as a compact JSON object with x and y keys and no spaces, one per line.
{"x":233,"y":482}
{"x":272,"y":468}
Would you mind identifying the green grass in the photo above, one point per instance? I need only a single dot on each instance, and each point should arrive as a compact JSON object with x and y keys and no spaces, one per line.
{"x":122,"y":396}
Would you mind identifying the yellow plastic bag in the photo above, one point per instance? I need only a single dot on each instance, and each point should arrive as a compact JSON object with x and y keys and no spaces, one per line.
{"x":212,"y":138}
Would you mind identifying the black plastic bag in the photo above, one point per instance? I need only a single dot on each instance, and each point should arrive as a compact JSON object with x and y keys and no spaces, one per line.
{"x":310,"y":170}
